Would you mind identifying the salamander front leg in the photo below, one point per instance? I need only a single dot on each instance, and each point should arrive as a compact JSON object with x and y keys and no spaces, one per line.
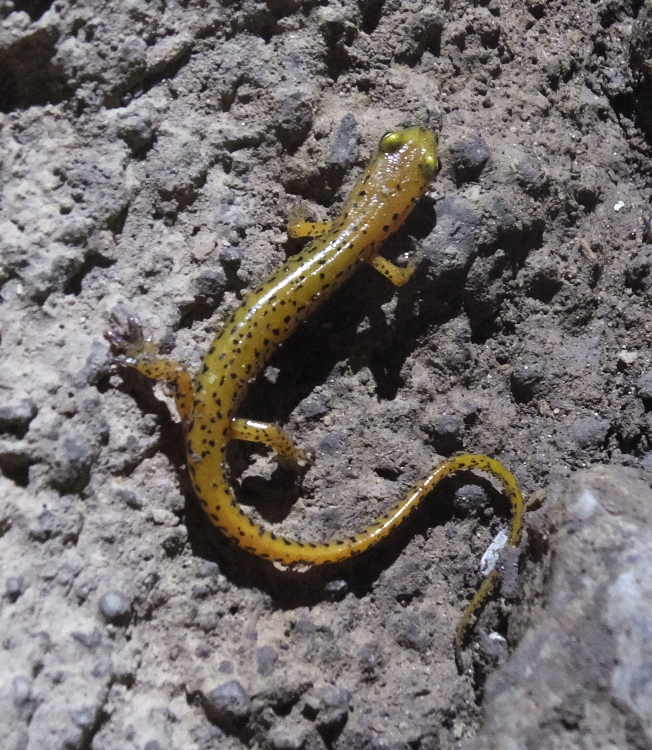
{"x":269,"y":434}
{"x":142,"y":355}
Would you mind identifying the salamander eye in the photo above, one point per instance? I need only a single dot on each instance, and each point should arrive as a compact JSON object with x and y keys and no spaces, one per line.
{"x":429,"y":166}
{"x":390,"y":142}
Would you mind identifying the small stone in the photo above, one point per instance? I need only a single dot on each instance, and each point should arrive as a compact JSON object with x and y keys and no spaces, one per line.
{"x":295,"y":115}
{"x":344,"y":150}
{"x":152,"y":745}
{"x":130,"y":499}
{"x":22,"y":688}
{"x":469,"y":157}
{"x":590,"y":432}
{"x":226,"y":667}
{"x":16,"y":414}
{"x":228,"y":704}
{"x":314,"y":406}
{"x":644,"y":389}
{"x":334,"y":711}
{"x":627,"y":358}
{"x":211,"y":282}
{"x":287,"y":737}
{"x":72,"y":465}
{"x":446,"y":432}
{"x":14,"y":587}
{"x":370,"y":659}
{"x":470,"y":499}
{"x":266,"y":658}
{"x":114,"y":608}
{"x":231,"y":257}
{"x":136,"y":126}
{"x":527,"y":381}
{"x":336,"y":590}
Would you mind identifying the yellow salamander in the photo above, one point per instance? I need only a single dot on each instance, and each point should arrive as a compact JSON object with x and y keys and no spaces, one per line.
{"x":385,"y":194}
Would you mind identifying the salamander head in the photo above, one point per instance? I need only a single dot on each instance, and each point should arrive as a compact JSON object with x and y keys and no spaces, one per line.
{"x":411,"y":148}
{"x":398,"y":175}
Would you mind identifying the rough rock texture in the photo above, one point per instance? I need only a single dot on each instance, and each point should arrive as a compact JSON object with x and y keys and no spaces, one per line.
{"x":581,"y":675}
{"x":150,"y":153}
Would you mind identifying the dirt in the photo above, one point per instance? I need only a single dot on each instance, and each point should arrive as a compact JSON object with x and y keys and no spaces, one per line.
{"x":150,"y":155}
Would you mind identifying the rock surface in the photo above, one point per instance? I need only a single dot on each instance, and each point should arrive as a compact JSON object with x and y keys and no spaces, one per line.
{"x":150,"y":154}
{"x":581,"y":675}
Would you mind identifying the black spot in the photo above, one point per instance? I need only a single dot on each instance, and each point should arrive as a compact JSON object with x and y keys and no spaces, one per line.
{"x":386,"y":228}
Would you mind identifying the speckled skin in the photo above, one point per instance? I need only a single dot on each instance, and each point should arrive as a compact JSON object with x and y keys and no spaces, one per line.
{"x":383,"y":197}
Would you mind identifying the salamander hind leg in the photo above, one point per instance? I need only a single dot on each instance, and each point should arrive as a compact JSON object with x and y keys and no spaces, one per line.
{"x":273,"y":436}
{"x":397,"y":275}
{"x":142,"y":355}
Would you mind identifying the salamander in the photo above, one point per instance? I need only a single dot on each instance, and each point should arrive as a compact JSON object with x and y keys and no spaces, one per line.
{"x":385,"y":194}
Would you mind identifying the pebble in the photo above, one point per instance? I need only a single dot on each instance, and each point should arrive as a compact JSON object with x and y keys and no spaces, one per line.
{"x":469,"y":157}
{"x":22,"y":688}
{"x":344,"y":150}
{"x":446,"y":432}
{"x":114,"y":607}
{"x":644,"y":388}
{"x":266,"y":658}
{"x":14,"y":587}
{"x":228,"y":705}
{"x":590,"y":432}
{"x":16,"y":414}
{"x":528,"y":381}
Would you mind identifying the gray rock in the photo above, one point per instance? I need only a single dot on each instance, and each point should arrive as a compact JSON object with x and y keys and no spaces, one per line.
{"x":590,"y":432}
{"x":266,"y":658}
{"x":295,"y":115}
{"x":114,"y":607}
{"x":137,"y":127}
{"x":14,"y":587}
{"x":446,"y":432}
{"x":333,"y":712}
{"x":528,"y":381}
{"x":344,"y":150}
{"x":644,"y":389}
{"x":228,"y":705}
{"x":211,"y":282}
{"x":469,"y":157}
{"x":471,"y":498}
{"x":22,"y":688}
{"x":336,"y":590}
{"x":72,"y":465}
{"x":231,"y":257}
{"x":291,"y":737}
{"x":580,"y":676}
{"x":640,"y":45}
{"x":16,"y":414}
